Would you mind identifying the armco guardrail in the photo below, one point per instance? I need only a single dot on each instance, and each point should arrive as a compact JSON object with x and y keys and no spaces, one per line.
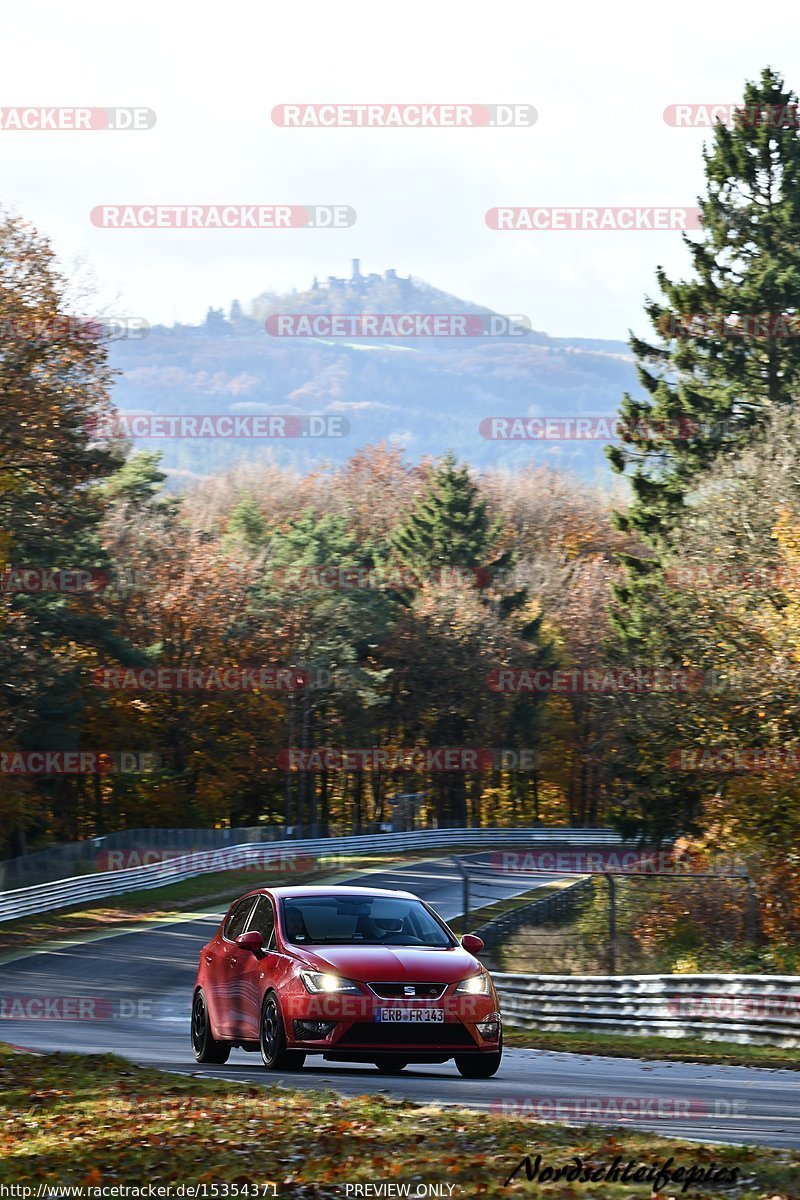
{"x":61,"y":860}
{"x":81,"y":889}
{"x":762,"y":1010}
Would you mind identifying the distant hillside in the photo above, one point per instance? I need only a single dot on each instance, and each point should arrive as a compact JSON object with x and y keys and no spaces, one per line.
{"x":427,"y":393}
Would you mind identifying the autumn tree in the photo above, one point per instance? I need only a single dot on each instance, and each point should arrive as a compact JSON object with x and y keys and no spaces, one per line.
{"x":54,"y":386}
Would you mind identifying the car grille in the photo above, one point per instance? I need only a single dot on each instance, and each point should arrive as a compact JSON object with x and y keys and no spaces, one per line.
{"x":378,"y":1034}
{"x":399,"y":991}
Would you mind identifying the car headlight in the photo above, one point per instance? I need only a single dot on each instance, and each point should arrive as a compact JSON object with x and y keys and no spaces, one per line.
{"x":318,"y":981}
{"x":476,"y":985}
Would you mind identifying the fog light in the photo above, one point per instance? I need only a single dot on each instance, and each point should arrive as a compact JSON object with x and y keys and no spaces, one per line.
{"x":312,"y":1029}
{"x":490,"y":1028}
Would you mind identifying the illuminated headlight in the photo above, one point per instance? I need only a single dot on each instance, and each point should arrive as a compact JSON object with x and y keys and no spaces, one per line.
{"x":318,"y":981}
{"x":476,"y":985}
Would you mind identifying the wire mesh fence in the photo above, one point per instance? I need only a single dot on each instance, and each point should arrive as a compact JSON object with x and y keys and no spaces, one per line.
{"x":607,"y":923}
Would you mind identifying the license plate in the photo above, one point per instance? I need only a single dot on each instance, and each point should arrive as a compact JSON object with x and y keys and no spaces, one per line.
{"x":410,"y":1016}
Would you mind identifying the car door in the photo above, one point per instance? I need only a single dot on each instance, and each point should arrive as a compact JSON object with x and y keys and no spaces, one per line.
{"x":223,"y":1002}
{"x":248,"y":971}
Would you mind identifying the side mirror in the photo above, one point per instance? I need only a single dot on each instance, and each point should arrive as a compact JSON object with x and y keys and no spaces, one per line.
{"x":470,"y":942}
{"x":253,"y":941}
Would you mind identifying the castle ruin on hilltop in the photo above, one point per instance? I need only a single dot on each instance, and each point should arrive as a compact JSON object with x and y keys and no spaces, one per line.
{"x":357,"y":280}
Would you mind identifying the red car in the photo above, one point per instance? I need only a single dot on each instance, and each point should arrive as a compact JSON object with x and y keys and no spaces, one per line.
{"x":354,"y":974}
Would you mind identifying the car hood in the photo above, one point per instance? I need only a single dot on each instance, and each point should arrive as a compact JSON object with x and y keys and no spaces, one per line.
{"x":390,"y":964}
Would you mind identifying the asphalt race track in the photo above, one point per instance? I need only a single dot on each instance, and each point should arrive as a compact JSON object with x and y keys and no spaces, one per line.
{"x":141,"y":981}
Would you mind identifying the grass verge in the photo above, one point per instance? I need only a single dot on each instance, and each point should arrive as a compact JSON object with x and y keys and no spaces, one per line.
{"x":661,"y":1049}
{"x":100,"y":1121}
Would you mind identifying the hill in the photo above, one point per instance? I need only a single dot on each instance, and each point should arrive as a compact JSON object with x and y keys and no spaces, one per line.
{"x":427,"y":393}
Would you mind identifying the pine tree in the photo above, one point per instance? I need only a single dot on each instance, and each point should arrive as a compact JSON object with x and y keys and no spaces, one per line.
{"x":727,"y":358}
{"x":449,"y":527}
{"x":247,"y":522}
{"x":709,"y":387}
{"x":139,"y":481}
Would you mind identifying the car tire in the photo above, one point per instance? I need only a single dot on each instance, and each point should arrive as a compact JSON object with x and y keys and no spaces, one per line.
{"x":480,"y":1066}
{"x":390,"y":1066}
{"x":205,"y":1047}
{"x":272,"y":1039}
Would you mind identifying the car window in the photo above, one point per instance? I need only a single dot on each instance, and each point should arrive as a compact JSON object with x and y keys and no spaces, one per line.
{"x":236,"y":920}
{"x":263,"y":919}
{"x":368,"y":920}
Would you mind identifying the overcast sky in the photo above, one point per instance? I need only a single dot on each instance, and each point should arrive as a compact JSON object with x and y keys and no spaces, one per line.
{"x":600,"y":76}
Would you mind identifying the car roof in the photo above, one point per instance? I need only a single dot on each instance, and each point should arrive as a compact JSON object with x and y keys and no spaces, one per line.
{"x":332,"y":889}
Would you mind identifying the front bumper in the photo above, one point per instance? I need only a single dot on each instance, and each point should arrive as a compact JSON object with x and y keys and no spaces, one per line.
{"x":349,"y":1025}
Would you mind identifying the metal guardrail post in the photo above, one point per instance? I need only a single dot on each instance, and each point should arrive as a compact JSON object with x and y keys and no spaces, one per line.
{"x":752,"y":910}
{"x":612,"y":923}
{"x":464,"y":873}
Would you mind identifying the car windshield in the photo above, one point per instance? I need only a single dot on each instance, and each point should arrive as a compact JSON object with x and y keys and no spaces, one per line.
{"x":362,"y":921}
